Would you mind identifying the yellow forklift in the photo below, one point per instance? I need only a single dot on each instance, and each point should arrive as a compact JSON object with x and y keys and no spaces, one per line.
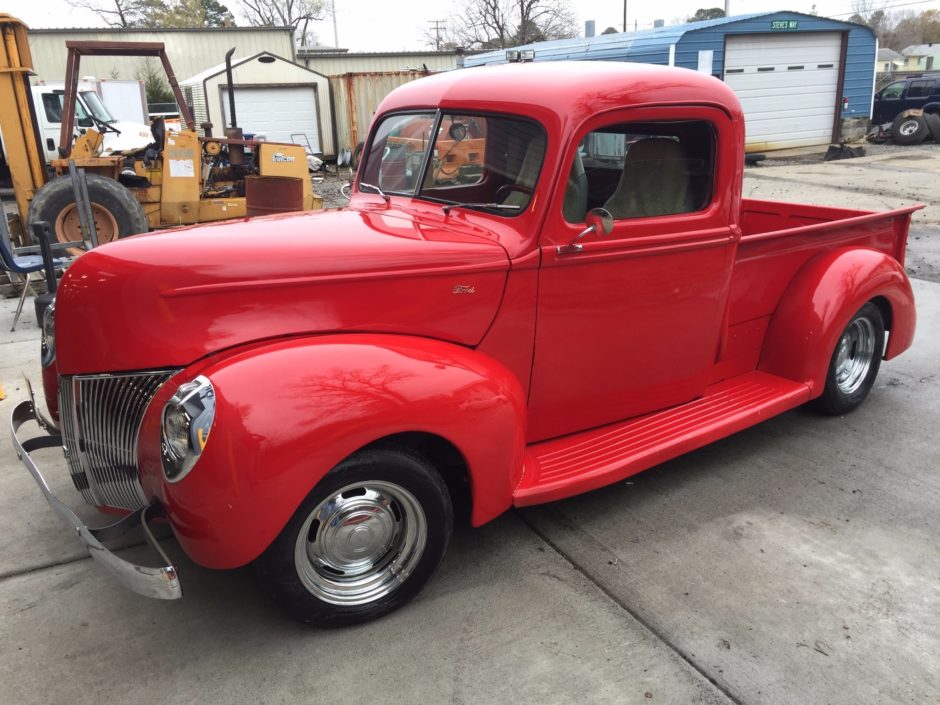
{"x":180,"y":178}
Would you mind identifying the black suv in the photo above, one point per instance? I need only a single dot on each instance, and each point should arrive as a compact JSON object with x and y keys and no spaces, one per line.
{"x":918,"y":91}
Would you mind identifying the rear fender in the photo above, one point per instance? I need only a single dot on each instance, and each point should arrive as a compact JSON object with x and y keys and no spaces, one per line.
{"x":820,"y":301}
{"x":290,"y":411}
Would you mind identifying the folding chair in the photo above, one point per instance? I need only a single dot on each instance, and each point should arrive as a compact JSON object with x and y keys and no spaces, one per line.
{"x":21,"y":265}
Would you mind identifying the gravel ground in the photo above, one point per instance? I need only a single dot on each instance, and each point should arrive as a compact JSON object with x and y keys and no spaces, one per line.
{"x":327,"y":184}
{"x":871,"y":150}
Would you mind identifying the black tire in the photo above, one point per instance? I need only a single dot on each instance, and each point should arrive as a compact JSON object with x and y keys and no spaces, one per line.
{"x":318,"y":561}
{"x":909,"y":130}
{"x":57,"y":196}
{"x":854,"y":364}
{"x":933,"y":124}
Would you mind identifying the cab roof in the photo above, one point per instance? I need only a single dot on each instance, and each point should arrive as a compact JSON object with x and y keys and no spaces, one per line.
{"x":562,"y":88}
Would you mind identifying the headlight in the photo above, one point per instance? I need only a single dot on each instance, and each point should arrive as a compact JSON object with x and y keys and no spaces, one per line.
{"x":48,"y":334}
{"x":187,"y":420}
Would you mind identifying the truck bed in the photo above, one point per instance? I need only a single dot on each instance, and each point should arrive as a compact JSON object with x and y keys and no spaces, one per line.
{"x":777,"y":240}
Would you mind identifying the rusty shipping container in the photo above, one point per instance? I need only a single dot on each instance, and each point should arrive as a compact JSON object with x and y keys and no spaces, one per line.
{"x":356,"y":97}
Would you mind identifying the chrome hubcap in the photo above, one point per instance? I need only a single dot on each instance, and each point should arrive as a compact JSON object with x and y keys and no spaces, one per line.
{"x":908,"y":127}
{"x":361,"y":543}
{"x":854,"y":355}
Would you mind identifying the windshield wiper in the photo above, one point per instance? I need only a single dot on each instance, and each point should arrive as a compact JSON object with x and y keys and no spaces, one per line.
{"x":481,"y":206}
{"x":377,"y":190}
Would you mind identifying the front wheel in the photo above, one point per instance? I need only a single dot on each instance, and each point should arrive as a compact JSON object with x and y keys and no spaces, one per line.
{"x":363,"y":543}
{"x":854,"y":363}
{"x":114,"y":209}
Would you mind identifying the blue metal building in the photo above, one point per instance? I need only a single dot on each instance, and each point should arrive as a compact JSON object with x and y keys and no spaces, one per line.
{"x":802,"y":80}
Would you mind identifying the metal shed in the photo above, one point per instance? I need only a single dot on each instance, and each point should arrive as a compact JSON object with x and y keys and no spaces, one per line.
{"x":191,"y":50}
{"x":802,"y":80}
{"x":280,"y":99}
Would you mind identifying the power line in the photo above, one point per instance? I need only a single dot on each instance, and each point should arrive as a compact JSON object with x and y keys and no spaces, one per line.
{"x":437,"y":32}
{"x":887,"y":7}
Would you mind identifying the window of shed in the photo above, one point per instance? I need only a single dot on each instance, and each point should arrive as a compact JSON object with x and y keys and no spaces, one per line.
{"x":642,"y":170}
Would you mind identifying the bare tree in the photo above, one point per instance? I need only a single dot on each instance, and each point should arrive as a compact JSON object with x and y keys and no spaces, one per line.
{"x":159,"y":13}
{"x":898,"y":30}
{"x":284,"y":13}
{"x":498,"y":24}
{"x":126,"y":13}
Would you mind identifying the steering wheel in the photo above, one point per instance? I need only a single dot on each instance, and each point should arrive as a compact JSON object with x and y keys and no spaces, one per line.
{"x":507,"y":189}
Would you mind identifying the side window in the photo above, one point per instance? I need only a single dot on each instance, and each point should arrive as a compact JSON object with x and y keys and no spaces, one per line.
{"x":920,"y":89}
{"x":893,"y":91}
{"x":642,"y":170}
{"x":52,"y":104}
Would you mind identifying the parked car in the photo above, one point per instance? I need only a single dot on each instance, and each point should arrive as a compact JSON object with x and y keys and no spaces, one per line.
{"x":910,"y":106}
{"x":324,"y":394}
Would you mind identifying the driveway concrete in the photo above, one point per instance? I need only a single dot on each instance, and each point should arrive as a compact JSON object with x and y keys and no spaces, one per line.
{"x":795,"y":562}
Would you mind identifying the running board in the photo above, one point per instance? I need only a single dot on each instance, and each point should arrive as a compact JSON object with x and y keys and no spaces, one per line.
{"x":584,"y":461}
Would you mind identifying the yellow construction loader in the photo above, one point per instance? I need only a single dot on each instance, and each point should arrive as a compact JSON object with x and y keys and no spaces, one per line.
{"x":179,"y":178}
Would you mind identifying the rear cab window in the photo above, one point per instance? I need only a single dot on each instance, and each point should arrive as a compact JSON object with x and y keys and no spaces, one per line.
{"x":485,"y":162}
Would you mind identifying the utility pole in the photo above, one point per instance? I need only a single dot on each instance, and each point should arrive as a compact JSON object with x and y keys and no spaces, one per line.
{"x":624,"y":15}
{"x":437,"y":32}
{"x":335,"y":33}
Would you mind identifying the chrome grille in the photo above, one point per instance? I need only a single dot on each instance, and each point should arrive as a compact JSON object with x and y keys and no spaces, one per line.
{"x":100,"y":417}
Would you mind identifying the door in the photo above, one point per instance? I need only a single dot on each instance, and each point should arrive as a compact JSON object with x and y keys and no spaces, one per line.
{"x":630,"y":323}
{"x":279,"y":112}
{"x":788,"y":86}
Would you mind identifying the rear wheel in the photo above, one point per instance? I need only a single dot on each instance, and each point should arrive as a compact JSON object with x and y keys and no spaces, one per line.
{"x":854,"y":363}
{"x":909,"y":130}
{"x":363,"y":543}
{"x":113,"y":208}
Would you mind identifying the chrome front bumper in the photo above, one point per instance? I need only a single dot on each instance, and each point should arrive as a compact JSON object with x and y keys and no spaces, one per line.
{"x":161,"y":583}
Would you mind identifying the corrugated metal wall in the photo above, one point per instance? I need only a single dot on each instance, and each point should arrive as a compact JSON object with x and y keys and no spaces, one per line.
{"x":648,"y":47}
{"x":339,"y":64}
{"x":190,"y":51}
{"x":356,"y":97}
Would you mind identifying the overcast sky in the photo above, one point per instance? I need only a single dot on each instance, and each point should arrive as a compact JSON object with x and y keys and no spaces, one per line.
{"x":399,"y":25}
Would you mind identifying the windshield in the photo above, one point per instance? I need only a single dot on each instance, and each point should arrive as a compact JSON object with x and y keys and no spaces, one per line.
{"x":486,"y":162}
{"x":96,"y":107}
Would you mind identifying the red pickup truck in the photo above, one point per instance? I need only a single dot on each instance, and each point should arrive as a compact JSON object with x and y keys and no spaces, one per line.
{"x":579,"y":296}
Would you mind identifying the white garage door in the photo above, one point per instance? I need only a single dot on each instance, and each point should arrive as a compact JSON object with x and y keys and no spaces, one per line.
{"x":278,"y":112}
{"x":787,"y":84}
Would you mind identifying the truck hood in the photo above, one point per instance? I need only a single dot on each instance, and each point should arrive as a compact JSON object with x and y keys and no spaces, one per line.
{"x":169,"y":298}
{"x":133,"y":138}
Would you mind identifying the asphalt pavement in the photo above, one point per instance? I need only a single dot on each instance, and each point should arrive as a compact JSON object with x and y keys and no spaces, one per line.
{"x":795,"y":562}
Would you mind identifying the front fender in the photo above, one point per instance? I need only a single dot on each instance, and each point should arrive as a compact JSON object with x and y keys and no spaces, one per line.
{"x":818,"y":304}
{"x":289,"y":411}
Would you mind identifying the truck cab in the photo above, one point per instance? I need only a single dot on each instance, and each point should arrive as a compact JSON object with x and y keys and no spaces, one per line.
{"x":90,"y":112}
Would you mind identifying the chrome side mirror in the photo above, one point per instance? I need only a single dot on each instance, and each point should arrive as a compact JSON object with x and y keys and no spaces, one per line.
{"x":598,"y":220}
